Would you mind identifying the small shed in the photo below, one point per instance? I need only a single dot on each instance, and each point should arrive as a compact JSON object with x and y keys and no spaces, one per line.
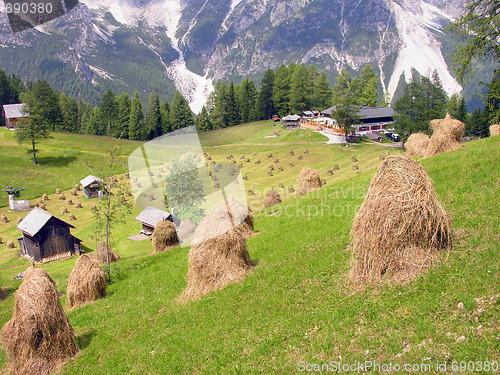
{"x":91,"y":186}
{"x":374,"y":137}
{"x":12,"y":113}
{"x":308,"y":114}
{"x":150,"y":217}
{"x":46,"y":237}
{"x":291,"y":120}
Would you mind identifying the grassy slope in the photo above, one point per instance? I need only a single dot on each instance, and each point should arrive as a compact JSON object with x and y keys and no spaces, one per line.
{"x":296,"y":304}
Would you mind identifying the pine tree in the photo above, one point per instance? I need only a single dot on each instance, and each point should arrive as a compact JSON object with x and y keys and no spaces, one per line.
{"x":94,"y":123}
{"x":124,"y":107}
{"x":109,"y":110}
{"x":180,"y":113}
{"x":492,"y":100}
{"x":136,"y":129}
{"x":247,"y":98}
{"x":153,"y":117}
{"x":69,"y":112}
{"x":165,"y":118}
{"x":46,"y":100}
{"x":369,"y":82}
{"x":452,"y":105}
{"x":299,"y":94}
{"x":312,"y":81}
{"x":232,"y":107}
{"x":218,"y":113}
{"x":203,"y":122}
{"x":322,"y":92}
{"x":281,"y":91}
{"x":265,"y":106}
{"x":84,"y":110}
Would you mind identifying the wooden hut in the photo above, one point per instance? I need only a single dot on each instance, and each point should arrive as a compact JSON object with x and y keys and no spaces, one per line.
{"x":150,"y":217}
{"x":46,"y":237}
{"x":12,"y":113}
{"x":291,"y":121}
{"x":91,"y":186}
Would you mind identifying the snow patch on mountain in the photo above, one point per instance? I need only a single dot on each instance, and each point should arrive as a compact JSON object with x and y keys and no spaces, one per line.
{"x":420,"y":50}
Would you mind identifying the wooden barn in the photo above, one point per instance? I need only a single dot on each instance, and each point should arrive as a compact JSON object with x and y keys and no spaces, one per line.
{"x":91,"y":186}
{"x":291,"y":121}
{"x":12,"y":113}
{"x":46,"y":237}
{"x":150,"y":217}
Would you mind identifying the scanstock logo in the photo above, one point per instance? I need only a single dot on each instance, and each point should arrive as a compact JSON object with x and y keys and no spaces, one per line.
{"x":26,"y":14}
{"x":172,"y":172}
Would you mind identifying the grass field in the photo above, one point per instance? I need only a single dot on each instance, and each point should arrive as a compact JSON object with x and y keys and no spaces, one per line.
{"x":297,"y":304}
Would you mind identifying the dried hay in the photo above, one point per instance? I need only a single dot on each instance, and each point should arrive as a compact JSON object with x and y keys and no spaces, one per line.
{"x":280,"y":169}
{"x":355,"y":166}
{"x":39,"y":338}
{"x":272,"y":198}
{"x":164,"y":236}
{"x":219,"y":255}
{"x":446,"y":136}
{"x":86,"y":283}
{"x":3,"y":219}
{"x":291,"y":153}
{"x":62,"y":197}
{"x":270,"y":155}
{"x":251,"y":192}
{"x":64,"y":210}
{"x":254,"y":154}
{"x":291,"y":189}
{"x":276,"y":160}
{"x":291,"y":165}
{"x":494,"y":130}
{"x":186,"y":229}
{"x":93,"y":208}
{"x":306,"y":152}
{"x":102,"y":255}
{"x":400,"y":227}
{"x":78,"y":205}
{"x":416,"y":145}
{"x":336,"y":167}
{"x":10,"y":244}
{"x":58,"y":191}
{"x":77,"y":187}
{"x":74,"y":192}
{"x":271,"y":167}
{"x":45,"y":197}
{"x":72,"y":217}
{"x":245,"y":177}
{"x":329,"y":172}
{"x":354,"y":159}
{"x":308,"y":180}
{"x":300,"y":157}
{"x":69,"y":202}
{"x":323,"y":181}
{"x":43,"y":207}
{"x":257,"y":162}
{"x":270,"y":173}
{"x":281,"y":185}
{"x":19,"y":219}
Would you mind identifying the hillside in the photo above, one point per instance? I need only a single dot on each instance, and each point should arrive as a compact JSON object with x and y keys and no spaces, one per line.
{"x":296,"y":305}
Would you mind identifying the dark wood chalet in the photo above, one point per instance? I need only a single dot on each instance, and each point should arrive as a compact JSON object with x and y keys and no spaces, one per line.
{"x":150,"y":217}
{"x":46,"y":237}
{"x":91,"y":186}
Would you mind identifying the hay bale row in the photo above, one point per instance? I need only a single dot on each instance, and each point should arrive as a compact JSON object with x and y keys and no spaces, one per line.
{"x":86,"y":283}
{"x":164,"y":236}
{"x":272,"y":198}
{"x":39,"y":338}
{"x":401,"y":226}
{"x":308,"y":180}
{"x":417,"y":144}
{"x":446,"y":136}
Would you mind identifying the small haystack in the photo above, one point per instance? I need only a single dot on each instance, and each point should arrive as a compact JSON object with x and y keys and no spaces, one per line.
{"x":19,"y":219}
{"x":39,"y":338}
{"x":10,"y":244}
{"x":78,"y":205}
{"x":336,"y":167}
{"x":401,"y":226}
{"x":62,"y":197}
{"x":272,"y":198}
{"x":3,"y":219}
{"x":417,"y":144}
{"x":87,"y":282}
{"x":446,"y":136}
{"x":308,"y":180}
{"x":102,"y":255}
{"x":64,"y":210}
{"x":72,"y":217}
{"x":45,"y":197}
{"x":186,"y":229}
{"x":58,"y":191}
{"x":494,"y":130}
{"x":219,"y":255}
{"x":164,"y":236}
{"x":237,"y":213}
{"x":69,"y":202}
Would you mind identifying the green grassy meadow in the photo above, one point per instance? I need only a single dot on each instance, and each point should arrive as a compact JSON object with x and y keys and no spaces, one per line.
{"x":296,"y":306}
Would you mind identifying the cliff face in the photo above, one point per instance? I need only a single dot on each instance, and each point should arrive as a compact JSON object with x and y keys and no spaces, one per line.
{"x":156,"y":44}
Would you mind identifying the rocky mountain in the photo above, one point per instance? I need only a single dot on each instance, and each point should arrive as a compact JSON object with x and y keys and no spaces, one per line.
{"x":189,"y":44}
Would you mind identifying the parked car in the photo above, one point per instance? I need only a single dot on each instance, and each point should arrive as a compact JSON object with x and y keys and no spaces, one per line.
{"x":276,"y":118}
{"x":393,"y":136}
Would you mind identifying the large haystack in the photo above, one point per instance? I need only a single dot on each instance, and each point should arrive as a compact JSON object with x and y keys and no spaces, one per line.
{"x":186,"y":229}
{"x":39,"y":338}
{"x":164,"y":236}
{"x":216,"y":261}
{"x":87,"y":282}
{"x":494,"y":130}
{"x":401,"y":226}
{"x":446,"y":136}
{"x":308,"y":180}
{"x":417,"y":144}
{"x":103,"y":253}
{"x":272,"y":198}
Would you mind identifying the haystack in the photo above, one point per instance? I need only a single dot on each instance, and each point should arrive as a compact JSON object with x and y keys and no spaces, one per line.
{"x":78,"y":205}
{"x":233,"y":211}
{"x":417,"y":144}
{"x":39,"y":338}
{"x":45,"y":197}
{"x":3,"y":219}
{"x":186,"y":229}
{"x":58,"y":191}
{"x":103,"y":253}
{"x":446,"y":136}
{"x":164,"y":236}
{"x":10,"y":244}
{"x":218,"y":256}
{"x":19,"y":219}
{"x":272,"y":198}
{"x":72,"y":217}
{"x":308,"y":180}
{"x":62,"y":197}
{"x":87,"y":282}
{"x":494,"y":130}
{"x":401,"y":226}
